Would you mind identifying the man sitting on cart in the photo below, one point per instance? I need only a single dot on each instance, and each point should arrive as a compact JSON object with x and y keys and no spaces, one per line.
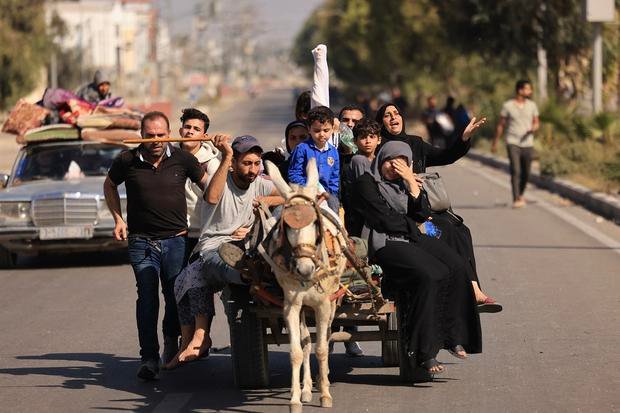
{"x":227,"y":216}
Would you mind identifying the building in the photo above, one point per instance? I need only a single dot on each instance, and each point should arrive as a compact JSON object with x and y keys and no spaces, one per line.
{"x":126,"y":38}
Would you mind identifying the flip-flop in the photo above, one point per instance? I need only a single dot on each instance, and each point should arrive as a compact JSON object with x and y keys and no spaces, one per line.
{"x":429,"y":364}
{"x":489,"y":305}
{"x":455,"y":352}
{"x":232,"y":255}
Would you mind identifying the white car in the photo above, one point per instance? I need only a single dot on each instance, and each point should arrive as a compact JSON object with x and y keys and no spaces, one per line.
{"x":53,"y":200}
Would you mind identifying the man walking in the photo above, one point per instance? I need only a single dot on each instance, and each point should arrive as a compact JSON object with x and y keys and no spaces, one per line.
{"x":519,"y":118}
{"x":154,"y":174}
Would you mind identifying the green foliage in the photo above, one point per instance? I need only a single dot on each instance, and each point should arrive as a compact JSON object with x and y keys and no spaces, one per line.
{"x":612,"y":169}
{"x":511,"y":30}
{"x":24,"y":47}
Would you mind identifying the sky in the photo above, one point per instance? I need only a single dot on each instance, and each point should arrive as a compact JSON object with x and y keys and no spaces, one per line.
{"x":281,"y":20}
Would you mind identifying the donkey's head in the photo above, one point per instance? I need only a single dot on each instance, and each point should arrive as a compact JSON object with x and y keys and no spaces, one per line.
{"x":300,"y":221}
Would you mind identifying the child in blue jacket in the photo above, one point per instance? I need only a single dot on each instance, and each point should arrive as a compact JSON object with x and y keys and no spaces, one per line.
{"x":321,"y":126}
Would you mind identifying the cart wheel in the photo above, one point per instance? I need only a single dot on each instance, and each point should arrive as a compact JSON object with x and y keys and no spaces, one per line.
{"x":248,"y":349}
{"x":389,"y":348}
{"x":8,"y":259}
{"x":406,"y":373}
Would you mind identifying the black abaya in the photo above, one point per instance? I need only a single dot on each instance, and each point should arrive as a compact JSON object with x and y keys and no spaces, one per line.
{"x":441,"y":309}
{"x":454,"y":232}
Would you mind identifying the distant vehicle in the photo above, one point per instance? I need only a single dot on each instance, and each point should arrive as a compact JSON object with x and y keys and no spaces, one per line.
{"x":53,"y":200}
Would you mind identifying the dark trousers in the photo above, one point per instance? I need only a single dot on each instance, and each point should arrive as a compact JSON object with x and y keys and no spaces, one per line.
{"x":520,"y":164}
{"x":152,"y":261}
{"x":439,"y":303}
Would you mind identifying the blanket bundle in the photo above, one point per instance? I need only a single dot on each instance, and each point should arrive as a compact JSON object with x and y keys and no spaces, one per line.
{"x":61,"y":114}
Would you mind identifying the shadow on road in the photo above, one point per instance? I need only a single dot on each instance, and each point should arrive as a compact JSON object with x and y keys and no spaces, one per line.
{"x":209,"y":381}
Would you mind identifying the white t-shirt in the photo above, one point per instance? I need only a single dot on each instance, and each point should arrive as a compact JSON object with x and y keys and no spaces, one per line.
{"x":234,"y":210}
{"x":519,"y":118}
{"x":209,"y":158}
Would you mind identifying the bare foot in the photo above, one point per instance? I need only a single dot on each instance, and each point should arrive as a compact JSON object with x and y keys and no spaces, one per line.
{"x":519,"y":203}
{"x":198,"y":347}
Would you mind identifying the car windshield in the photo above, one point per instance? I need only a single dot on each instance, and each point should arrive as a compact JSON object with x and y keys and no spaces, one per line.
{"x":61,"y":162}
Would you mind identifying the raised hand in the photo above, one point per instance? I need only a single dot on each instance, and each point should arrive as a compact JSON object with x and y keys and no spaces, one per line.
{"x":471,"y":128}
{"x":222,"y":143}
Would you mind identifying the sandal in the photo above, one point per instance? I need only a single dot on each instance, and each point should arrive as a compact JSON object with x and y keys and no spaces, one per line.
{"x":489,"y":305}
{"x":232,"y":255}
{"x":456,"y":350}
{"x":432,"y":363}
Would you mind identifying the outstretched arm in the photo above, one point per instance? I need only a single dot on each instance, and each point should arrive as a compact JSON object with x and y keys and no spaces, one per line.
{"x":320,"y":84}
{"x":437,"y":156}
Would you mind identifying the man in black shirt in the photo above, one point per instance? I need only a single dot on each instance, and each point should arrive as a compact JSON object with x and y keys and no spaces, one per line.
{"x":154,"y":174}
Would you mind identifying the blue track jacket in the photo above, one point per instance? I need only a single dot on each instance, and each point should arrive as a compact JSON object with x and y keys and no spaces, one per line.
{"x":326,"y":160}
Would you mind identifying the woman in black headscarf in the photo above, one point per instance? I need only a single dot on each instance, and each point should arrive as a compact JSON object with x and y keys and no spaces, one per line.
{"x":295,"y":133}
{"x":435,"y":294}
{"x":454,"y":232}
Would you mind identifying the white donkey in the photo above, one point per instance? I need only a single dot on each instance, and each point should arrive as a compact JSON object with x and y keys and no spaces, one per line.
{"x":306,"y":253}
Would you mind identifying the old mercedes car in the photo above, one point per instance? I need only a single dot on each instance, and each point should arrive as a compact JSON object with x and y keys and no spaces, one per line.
{"x":53,"y":200}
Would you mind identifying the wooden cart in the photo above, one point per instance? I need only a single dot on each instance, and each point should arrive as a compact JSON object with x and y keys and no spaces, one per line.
{"x":254,"y":326}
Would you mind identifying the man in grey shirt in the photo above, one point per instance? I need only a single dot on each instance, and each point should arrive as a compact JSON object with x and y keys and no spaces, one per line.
{"x":227,"y":216}
{"x":519,"y":119}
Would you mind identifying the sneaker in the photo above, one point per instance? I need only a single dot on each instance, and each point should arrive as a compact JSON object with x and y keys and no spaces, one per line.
{"x":171,"y":348}
{"x":149,"y":370}
{"x":353,"y":349}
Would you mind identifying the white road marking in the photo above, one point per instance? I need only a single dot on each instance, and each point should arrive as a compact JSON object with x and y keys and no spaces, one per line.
{"x":173,"y":402}
{"x":563,"y":215}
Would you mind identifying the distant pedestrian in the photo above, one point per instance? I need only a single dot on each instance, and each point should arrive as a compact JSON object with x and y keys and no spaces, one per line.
{"x":430,"y":119}
{"x":154,"y":174}
{"x":519,"y":119}
{"x":97,"y":90}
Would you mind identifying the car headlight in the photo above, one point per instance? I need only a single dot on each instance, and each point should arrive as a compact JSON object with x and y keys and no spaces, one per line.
{"x":14,"y":212}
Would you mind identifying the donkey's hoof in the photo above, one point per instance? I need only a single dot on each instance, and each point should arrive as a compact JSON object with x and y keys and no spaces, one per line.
{"x":326,"y":401}
{"x":296,"y":408}
{"x":306,"y":396}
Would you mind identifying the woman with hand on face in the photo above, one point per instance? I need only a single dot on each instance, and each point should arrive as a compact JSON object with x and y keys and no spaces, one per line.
{"x":436,"y":296}
{"x":453,"y":231}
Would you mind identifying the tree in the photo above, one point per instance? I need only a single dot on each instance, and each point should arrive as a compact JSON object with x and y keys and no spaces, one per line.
{"x":24,"y":47}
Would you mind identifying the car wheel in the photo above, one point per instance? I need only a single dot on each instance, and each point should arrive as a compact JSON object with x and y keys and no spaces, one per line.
{"x":8,"y":259}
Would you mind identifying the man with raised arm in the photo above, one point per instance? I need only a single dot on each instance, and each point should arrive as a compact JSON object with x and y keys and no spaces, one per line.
{"x":228,"y":215}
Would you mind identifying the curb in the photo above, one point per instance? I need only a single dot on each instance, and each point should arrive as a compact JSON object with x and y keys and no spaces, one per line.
{"x":600,"y":203}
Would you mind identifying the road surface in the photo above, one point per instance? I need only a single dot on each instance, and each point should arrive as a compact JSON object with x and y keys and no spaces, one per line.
{"x":69,"y":341}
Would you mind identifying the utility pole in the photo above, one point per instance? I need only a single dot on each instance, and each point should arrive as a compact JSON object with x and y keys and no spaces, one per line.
{"x":597,"y":68}
{"x":597,"y":12}
{"x":541,"y":54}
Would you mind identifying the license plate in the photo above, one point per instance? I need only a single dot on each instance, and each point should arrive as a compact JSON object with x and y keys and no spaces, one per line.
{"x":46,"y":233}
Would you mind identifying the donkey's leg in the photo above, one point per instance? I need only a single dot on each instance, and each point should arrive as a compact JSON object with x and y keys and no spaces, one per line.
{"x":323,"y":314}
{"x":306,"y":345}
{"x":291,"y":315}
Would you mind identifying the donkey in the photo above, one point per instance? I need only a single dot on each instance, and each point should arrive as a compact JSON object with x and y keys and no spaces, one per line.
{"x":306,"y":252}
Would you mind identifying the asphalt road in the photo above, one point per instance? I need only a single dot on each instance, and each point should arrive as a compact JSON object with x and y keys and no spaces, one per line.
{"x":69,"y":342}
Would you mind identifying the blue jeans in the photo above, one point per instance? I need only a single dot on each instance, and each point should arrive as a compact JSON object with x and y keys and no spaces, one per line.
{"x":153,"y":260}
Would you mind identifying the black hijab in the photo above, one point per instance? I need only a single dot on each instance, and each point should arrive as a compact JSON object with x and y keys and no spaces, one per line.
{"x":293,"y":124}
{"x":385,"y":134}
{"x":415,"y":142}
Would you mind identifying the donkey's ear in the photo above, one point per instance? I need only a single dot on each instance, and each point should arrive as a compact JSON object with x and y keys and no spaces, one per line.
{"x":277,"y":179}
{"x":312,"y":173}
